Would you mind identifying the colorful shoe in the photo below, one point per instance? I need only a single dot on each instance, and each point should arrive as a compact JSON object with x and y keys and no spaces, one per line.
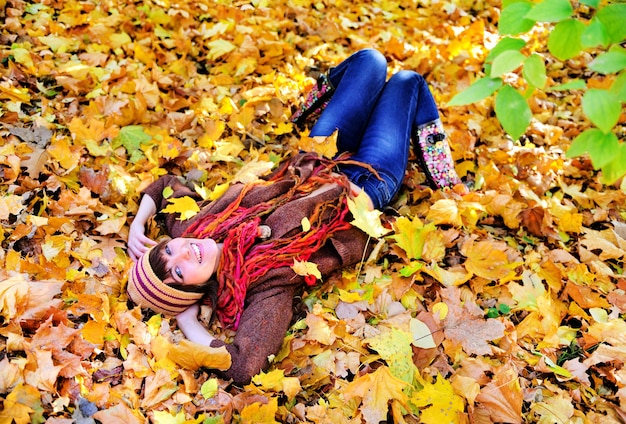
{"x":316,"y":100}
{"x":433,"y":154}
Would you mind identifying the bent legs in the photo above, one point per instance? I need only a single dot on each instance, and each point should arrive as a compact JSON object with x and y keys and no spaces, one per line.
{"x":404,"y":104}
{"x":358,"y":82}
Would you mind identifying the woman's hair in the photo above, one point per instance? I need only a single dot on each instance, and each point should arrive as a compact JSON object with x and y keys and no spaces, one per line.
{"x":158,"y":262}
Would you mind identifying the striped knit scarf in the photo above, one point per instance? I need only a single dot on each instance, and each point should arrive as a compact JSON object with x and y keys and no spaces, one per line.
{"x":245,"y":259}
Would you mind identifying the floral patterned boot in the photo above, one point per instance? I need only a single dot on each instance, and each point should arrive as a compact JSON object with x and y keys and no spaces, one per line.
{"x":316,"y":100}
{"x":434,"y":156}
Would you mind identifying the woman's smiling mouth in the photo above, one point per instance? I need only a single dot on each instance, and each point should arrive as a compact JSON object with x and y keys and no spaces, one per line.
{"x":197,"y":251}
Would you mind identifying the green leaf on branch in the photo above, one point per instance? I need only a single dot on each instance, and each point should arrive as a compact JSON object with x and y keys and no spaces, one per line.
{"x":564,"y":42}
{"x":616,"y":168}
{"x":512,"y":111}
{"x":508,"y":61}
{"x":610,"y":62}
{"x":613,"y":17}
{"x":595,"y":35}
{"x":619,"y":87}
{"x":550,"y":11}
{"x":602,"y":108}
{"x":535,"y":71}
{"x":599,"y":146}
{"x":513,"y":19}
{"x":507,"y":43}
{"x":479,"y":90}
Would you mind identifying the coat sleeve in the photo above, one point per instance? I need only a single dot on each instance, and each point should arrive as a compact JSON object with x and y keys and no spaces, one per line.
{"x":174,"y":226}
{"x":156,"y":189}
{"x":262,"y":328}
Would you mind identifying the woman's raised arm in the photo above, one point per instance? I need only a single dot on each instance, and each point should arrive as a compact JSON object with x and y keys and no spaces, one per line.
{"x":138,"y":243}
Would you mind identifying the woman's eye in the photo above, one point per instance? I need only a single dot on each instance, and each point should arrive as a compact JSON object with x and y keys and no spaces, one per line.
{"x":167,"y":250}
{"x":178,"y":273}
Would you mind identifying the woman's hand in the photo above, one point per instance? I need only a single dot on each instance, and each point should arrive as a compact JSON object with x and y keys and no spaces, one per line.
{"x":138,"y":243}
{"x":192,"y":328}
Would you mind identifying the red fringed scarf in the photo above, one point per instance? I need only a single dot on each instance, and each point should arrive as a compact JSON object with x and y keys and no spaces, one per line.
{"x":244,"y":260}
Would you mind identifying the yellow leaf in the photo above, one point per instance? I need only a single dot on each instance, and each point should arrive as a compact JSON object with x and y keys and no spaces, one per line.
{"x":571,"y":222}
{"x":10,"y":375}
{"x":376,"y":390}
{"x":14,"y":94}
{"x":185,"y":206}
{"x":410,"y":235}
{"x":258,"y":413}
{"x":283,"y":128}
{"x":487,"y":260}
{"x":23,"y":299}
{"x":23,"y":57}
{"x":440,"y":309}
{"x":219,"y":48}
{"x":62,"y":152}
{"x":209,"y":388}
{"x":10,"y":204}
{"x":19,"y":404}
{"x":93,"y":332}
{"x":12,"y":293}
{"x":119,"y":40}
{"x":252,"y":170}
{"x":319,"y":330}
{"x":324,"y":146}
{"x":144,"y":54}
{"x":59,"y":44}
{"x":438,"y":402}
{"x":445,"y":211}
{"x":394,"y":346}
{"x":555,"y":409}
{"x":526,"y":295}
{"x":218,"y":191}
{"x":111,"y":226}
{"x":276,"y":381}
{"x":305,"y":268}
{"x":448,"y":277}
{"x":365,"y":218}
{"x":165,"y":417}
{"x":192,"y":356}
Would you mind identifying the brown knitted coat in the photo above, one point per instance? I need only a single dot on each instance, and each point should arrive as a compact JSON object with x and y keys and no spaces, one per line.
{"x":268,"y":306}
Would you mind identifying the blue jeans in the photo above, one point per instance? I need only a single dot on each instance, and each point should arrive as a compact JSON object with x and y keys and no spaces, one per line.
{"x":375,"y":120}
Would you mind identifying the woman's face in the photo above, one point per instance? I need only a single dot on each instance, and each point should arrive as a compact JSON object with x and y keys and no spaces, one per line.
{"x":191,"y":261}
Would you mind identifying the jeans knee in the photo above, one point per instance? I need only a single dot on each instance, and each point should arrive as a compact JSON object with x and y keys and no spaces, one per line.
{"x":405,"y":76}
{"x":373,"y":58}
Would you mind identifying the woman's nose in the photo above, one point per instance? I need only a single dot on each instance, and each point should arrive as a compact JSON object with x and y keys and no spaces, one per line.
{"x":184,"y":252}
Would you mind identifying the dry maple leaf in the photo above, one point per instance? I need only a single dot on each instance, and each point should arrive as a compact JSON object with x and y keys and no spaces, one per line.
{"x":501,"y":399}
{"x":488,"y":259}
{"x":466,"y":326}
{"x":118,"y":414}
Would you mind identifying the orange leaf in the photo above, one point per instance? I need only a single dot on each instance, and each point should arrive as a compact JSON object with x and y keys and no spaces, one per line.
{"x":488,"y":260}
{"x":502,"y":398}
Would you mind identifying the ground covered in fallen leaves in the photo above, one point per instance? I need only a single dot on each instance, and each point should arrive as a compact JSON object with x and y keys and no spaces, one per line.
{"x":504,"y":305}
